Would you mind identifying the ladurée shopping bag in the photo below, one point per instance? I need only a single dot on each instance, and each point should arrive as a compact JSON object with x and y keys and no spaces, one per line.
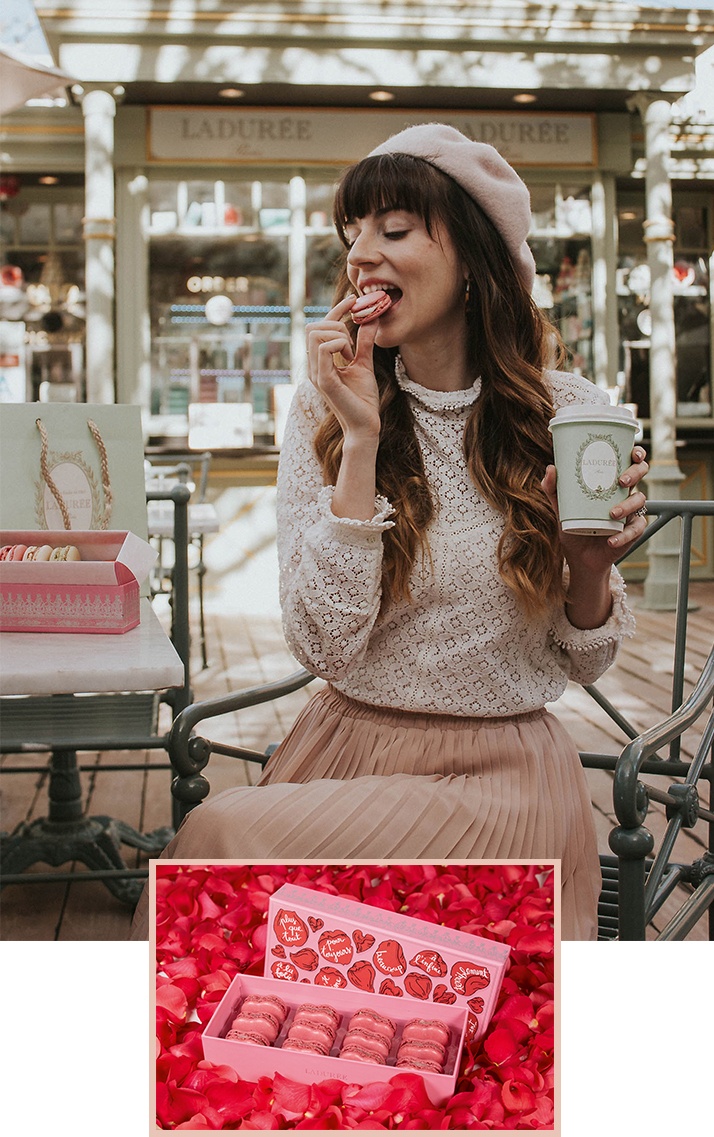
{"x":72,"y":466}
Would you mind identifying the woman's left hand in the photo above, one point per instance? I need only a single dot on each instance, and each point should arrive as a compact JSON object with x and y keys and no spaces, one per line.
{"x":597,"y":553}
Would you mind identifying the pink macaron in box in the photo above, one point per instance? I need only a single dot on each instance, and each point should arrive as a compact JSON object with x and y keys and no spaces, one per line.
{"x":72,"y":580}
{"x":265,"y":1026}
{"x":337,"y":944}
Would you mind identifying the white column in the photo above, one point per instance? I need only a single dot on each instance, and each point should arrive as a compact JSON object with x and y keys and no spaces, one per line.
{"x":297,"y":279}
{"x":604,"y":247}
{"x":660,"y":590}
{"x":133,"y":330}
{"x":99,"y":109}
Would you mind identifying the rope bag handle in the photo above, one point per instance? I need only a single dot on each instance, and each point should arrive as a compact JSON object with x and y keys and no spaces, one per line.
{"x":104,"y":465}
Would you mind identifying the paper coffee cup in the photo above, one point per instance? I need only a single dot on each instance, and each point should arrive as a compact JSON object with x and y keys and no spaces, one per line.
{"x":592,"y":446}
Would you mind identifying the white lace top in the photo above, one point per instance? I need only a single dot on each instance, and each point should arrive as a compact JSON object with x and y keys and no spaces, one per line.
{"x":462,"y":646}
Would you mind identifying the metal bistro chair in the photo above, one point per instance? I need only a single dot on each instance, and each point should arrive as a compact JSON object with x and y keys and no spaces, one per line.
{"x":191,"y":470}
{"x":64,"y":725}
{"x":635,"y":884}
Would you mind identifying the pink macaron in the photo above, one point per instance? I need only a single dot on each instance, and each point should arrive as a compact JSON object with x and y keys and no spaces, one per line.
{"x":426,"y":1051}
{"x":359,"y":1054}
{"x":367,"y":1019}
{"x":426,"y":1030}
{"x":367,"y":1040}
{"x":13,"y":552}
{"x":370,"y":306}
{"x":247,"y":1036}
{"x":265,"y":1024}
{"x":310,"y":1031}
{"x":305,"y":1046}
{"x":265,"y":1005}
{"x":419,"y":1064}
{"x":319,"y":1013}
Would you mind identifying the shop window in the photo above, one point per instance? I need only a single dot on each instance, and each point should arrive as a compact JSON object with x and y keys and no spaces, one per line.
{"x":42,"y":302}
{"x":35,"y":228}
{"x":318,"y":211}
{"x":219,"y":296}
{"x":560,"y":240}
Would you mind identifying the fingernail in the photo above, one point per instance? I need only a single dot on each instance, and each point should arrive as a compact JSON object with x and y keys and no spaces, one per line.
{"x":612,"y":541}
{"x":625,"y":480}
{"x":616,"y":512}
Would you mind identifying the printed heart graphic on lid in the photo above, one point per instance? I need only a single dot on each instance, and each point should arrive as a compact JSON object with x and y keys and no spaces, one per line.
{"x":330,"y":977}
{"x":389,"y":958}
{"x":388,"y":987}
{"x":363,"y":941}
{"x":290,"y":929}
{"x":361,"y":974}
{"x":429,"y":961}
{"x":468,"y":978}
{"x":306,"y":959}
{"x":443,"y":995}
{"x":336,"y":947}
{"x":418,"y":986}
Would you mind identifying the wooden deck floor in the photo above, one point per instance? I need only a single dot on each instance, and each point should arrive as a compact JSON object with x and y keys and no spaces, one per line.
{"x":246,"y":648}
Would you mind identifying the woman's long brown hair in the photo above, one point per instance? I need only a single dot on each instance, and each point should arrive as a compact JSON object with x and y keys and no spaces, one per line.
{"x":507,"y":444}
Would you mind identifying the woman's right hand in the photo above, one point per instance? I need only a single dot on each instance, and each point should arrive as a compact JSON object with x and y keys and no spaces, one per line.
{"x":349,"y":388}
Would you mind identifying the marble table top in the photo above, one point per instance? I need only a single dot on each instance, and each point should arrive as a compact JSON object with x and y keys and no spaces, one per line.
{"x":39,"y":663}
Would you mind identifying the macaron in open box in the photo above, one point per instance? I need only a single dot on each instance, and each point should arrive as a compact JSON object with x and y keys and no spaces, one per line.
{"x":310,"y":1036}
{"x":71,"y":580}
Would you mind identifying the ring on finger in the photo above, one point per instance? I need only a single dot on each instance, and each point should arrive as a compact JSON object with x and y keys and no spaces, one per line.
{"x":642,"y":512}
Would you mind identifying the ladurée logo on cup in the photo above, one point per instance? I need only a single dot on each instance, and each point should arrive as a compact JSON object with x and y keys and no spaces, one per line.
{"x":598,"y":465}
{"x":592,"y":447}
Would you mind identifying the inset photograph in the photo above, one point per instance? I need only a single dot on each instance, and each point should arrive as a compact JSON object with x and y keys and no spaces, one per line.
{"x":362,"y":996}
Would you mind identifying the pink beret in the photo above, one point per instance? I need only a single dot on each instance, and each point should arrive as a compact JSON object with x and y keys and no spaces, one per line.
{"x":483,"y":173}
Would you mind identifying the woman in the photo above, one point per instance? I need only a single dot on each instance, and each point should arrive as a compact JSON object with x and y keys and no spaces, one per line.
{"x":423,"y":571}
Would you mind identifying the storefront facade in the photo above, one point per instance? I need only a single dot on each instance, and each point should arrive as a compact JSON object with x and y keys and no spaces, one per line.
{"x":203,"y":147}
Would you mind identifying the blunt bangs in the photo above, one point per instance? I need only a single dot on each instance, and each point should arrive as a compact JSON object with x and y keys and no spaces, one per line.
{"x":390,"y":181}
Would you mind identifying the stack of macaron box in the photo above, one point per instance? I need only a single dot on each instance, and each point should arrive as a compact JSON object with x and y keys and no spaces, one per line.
{"x":357,"y":993}
{"x":71,"y":581}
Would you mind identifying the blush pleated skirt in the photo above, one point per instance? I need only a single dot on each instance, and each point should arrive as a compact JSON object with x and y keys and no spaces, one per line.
{"x":352,"y":781}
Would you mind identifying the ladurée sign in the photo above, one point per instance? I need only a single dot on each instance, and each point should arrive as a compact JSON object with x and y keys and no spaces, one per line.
{"x":297,"y":136}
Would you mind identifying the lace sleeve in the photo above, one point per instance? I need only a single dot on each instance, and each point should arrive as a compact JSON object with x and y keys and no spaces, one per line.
{"x":330,"y":567}
{"x":590,"y":651}
{"x":568,"y":389}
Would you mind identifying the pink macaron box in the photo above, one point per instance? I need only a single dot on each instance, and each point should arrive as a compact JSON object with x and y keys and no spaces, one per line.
{"x":99,"y":593}
{"x":252,"y":1060}
{"x":335,"y":943}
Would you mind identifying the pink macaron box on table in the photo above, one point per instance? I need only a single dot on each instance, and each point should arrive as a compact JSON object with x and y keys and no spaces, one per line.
{"x":332,"y":942}
{"x":253,"y":1059}
{"x":97,"y":593}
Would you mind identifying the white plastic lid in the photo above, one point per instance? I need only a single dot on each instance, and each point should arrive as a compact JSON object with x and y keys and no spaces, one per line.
{"x":595,"y":411}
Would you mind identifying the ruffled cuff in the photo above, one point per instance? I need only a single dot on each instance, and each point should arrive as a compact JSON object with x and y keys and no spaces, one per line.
{"x":351,"y":530}
{"x":619,"y":625}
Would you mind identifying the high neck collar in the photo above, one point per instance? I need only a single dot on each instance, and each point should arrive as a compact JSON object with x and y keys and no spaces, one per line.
{"x":436,"y":400}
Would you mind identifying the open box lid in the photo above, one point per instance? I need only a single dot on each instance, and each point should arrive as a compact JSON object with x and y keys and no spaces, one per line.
{"x":330,"y":941}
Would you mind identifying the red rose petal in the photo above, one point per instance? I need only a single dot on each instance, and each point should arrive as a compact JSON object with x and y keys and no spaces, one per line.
{"x":516,"y":1096}
{"x":500,"y":1045}
{"x":173,"y":1000}
{"x":293,"y":1097}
